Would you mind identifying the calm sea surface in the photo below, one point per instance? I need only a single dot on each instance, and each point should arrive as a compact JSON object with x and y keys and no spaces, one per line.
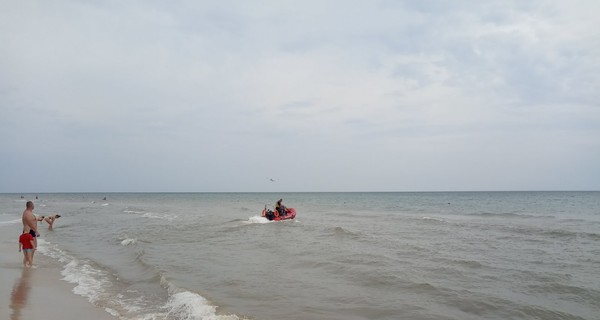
{"x":480,"y":255}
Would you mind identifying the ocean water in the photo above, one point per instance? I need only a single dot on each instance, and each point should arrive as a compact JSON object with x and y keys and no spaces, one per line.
{"x":462,"y":255}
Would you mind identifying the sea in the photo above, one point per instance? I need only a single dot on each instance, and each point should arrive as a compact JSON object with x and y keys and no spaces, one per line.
{"x":346,"y":256}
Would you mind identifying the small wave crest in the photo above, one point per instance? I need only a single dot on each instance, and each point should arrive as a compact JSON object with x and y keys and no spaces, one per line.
{"x":189,"y":305}
{"x":342,"y":232}
{"x":587,"y":294}
{"x":151,"y":215}
{"x":128,"y":242}
{"x":432,"y":219}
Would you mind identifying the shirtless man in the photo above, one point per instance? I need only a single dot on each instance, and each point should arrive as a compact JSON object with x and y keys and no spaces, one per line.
{"x":30,"y":222}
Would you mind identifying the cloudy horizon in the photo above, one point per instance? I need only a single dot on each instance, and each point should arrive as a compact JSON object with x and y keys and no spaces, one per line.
{"x":186,"y":96}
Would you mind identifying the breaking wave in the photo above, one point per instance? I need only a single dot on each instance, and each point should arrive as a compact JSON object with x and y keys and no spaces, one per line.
{"x":128,"y":242}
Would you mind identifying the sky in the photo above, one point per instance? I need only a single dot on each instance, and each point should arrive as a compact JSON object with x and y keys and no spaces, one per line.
{"x":222,"y":96}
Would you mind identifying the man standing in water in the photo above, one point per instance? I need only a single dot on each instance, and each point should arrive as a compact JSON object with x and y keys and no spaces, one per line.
{"x":30,"y":222}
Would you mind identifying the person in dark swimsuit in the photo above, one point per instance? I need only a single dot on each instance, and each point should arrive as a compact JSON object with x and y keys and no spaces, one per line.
{"x":280,"y":207}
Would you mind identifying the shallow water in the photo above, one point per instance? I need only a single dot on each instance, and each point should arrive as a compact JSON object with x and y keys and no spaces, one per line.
{"x":498,"y":255}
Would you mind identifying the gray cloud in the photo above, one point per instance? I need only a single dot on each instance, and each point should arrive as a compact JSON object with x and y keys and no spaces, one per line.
{"x":330,"y":95}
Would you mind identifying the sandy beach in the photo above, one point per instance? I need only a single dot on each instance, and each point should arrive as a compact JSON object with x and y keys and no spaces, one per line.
{"x":37,"y":293}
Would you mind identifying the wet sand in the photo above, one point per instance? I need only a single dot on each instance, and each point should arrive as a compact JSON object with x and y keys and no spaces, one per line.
{"x":38,"y":293}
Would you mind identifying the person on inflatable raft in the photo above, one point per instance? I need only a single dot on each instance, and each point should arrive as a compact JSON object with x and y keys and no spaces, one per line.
{"x":280,"y":210}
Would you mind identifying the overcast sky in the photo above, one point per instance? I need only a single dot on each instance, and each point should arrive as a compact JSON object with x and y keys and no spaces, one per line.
{"x":99,"y":96}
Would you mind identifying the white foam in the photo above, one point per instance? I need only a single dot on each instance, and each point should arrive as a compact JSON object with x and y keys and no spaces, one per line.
{"x":105,"y":204}
{"x":133,"y":211}
{"x":187,"y":305}
{"x":89,"y":282}
{"x":257,"y":219}
{"x":128,"y":242}
{"x":434,"y":219}
{"x":112,"y":312}
{"x":153,"y":215}
{"x":133,"y":305}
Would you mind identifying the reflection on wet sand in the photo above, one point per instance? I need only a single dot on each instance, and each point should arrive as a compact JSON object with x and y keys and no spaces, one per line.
{"x":20,"y":292}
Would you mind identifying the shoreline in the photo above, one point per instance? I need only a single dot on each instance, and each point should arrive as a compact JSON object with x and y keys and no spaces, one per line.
{"x":39,"y":292}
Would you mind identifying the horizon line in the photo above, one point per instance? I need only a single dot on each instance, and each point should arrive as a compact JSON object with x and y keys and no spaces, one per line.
{"x":189,"y":192}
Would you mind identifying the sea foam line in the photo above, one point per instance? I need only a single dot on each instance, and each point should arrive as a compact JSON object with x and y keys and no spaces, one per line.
{"x":89,"y":281}
{"x":95,"y":285}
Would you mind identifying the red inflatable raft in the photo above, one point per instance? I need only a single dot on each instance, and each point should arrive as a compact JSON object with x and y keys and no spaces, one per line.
{"x":290,"y":213}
